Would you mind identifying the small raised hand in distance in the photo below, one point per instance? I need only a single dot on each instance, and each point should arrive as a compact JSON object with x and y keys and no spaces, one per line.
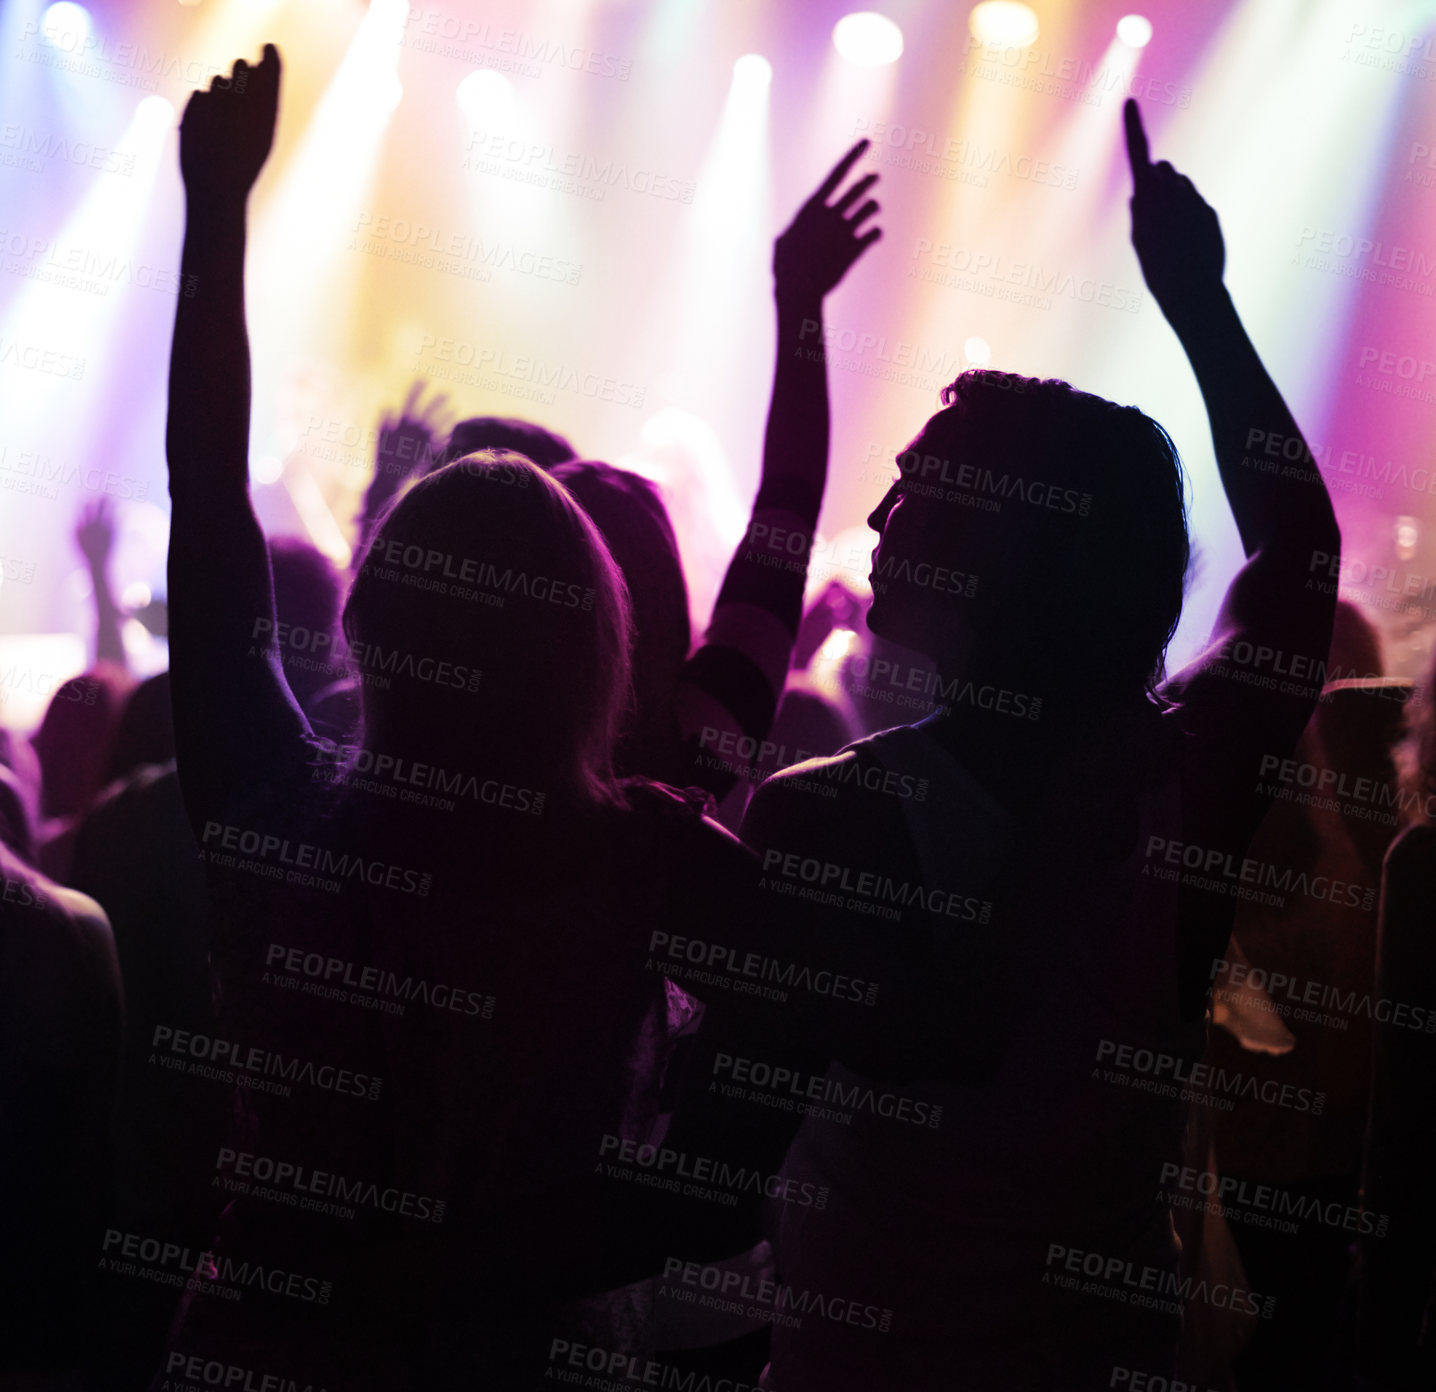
{"x":1175,"y":231}
{"x":412,"y":441}
{"x":408,"y":445}
{"x":95,"y":533}
{"x":95,"y":538}
{"x":227,"y":132}
{"x":824,"y":239}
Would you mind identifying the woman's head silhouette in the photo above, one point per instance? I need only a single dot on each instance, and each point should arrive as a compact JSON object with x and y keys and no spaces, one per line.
{"x":492,"y":626}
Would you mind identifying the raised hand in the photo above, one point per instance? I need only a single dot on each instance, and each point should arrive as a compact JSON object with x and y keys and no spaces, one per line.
{"x":823,"y":240}
{"x":410,"y":441}
{"x":226,"y":133}
{"x":95,"y":533}
{"x":1175,"y":232}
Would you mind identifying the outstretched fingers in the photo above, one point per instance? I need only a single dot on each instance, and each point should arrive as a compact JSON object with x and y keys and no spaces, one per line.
{"x":839,"y":172}
{"x":854,"y":193}
{"x":863,"y":214}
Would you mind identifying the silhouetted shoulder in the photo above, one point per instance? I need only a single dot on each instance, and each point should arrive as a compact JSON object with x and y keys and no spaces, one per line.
{"x":59,"y":975}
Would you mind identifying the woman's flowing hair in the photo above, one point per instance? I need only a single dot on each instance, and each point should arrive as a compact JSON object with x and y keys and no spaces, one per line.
{"x":487,"y":609}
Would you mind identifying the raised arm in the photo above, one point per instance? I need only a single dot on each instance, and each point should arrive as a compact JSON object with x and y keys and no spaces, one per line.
{"x":1283,"y":519}
{"x":95,"y":536}
{"x":232,"y":707}
{"x":732,"y":684}
{"x":1248,"y":697}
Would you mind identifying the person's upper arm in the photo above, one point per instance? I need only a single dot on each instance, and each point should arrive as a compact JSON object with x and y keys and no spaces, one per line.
{"x":235,"y":718}
{"x":732,"y":684}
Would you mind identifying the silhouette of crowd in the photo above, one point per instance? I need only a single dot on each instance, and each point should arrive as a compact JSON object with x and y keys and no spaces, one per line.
{"x":458,"y":973}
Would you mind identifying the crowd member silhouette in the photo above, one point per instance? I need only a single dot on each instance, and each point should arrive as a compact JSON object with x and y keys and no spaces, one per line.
{"x":1315,"y":1032}
{"x":530,"y":897}
{"x":1046,"y":942}
{"x":135,"y":854}
{"x":1396,"y":1316}
{"x":60,"y":1020}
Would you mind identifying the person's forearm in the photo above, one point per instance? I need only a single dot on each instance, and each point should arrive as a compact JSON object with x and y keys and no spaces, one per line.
{"x":207,"y":433}
{"x":109,"y":642}
{"x":1248,"y":419}
{"x":795,"y":445}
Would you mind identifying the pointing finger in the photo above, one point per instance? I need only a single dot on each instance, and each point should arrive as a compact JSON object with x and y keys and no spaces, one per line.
{"x":1138,"y":155}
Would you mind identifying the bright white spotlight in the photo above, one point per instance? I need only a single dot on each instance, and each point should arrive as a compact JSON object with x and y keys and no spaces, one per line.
{"x":977,"y":351}
{"x":156,"y":113}
{"x":65,"y":25}
{"x":1135,"y":31}
{"x":753,"y":73}
{"x":867,"y":39}
{"x":136,"y":595}
{"x":484,"y":93}
{"x":265,"y":468}
{"x":1003,"y":24}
